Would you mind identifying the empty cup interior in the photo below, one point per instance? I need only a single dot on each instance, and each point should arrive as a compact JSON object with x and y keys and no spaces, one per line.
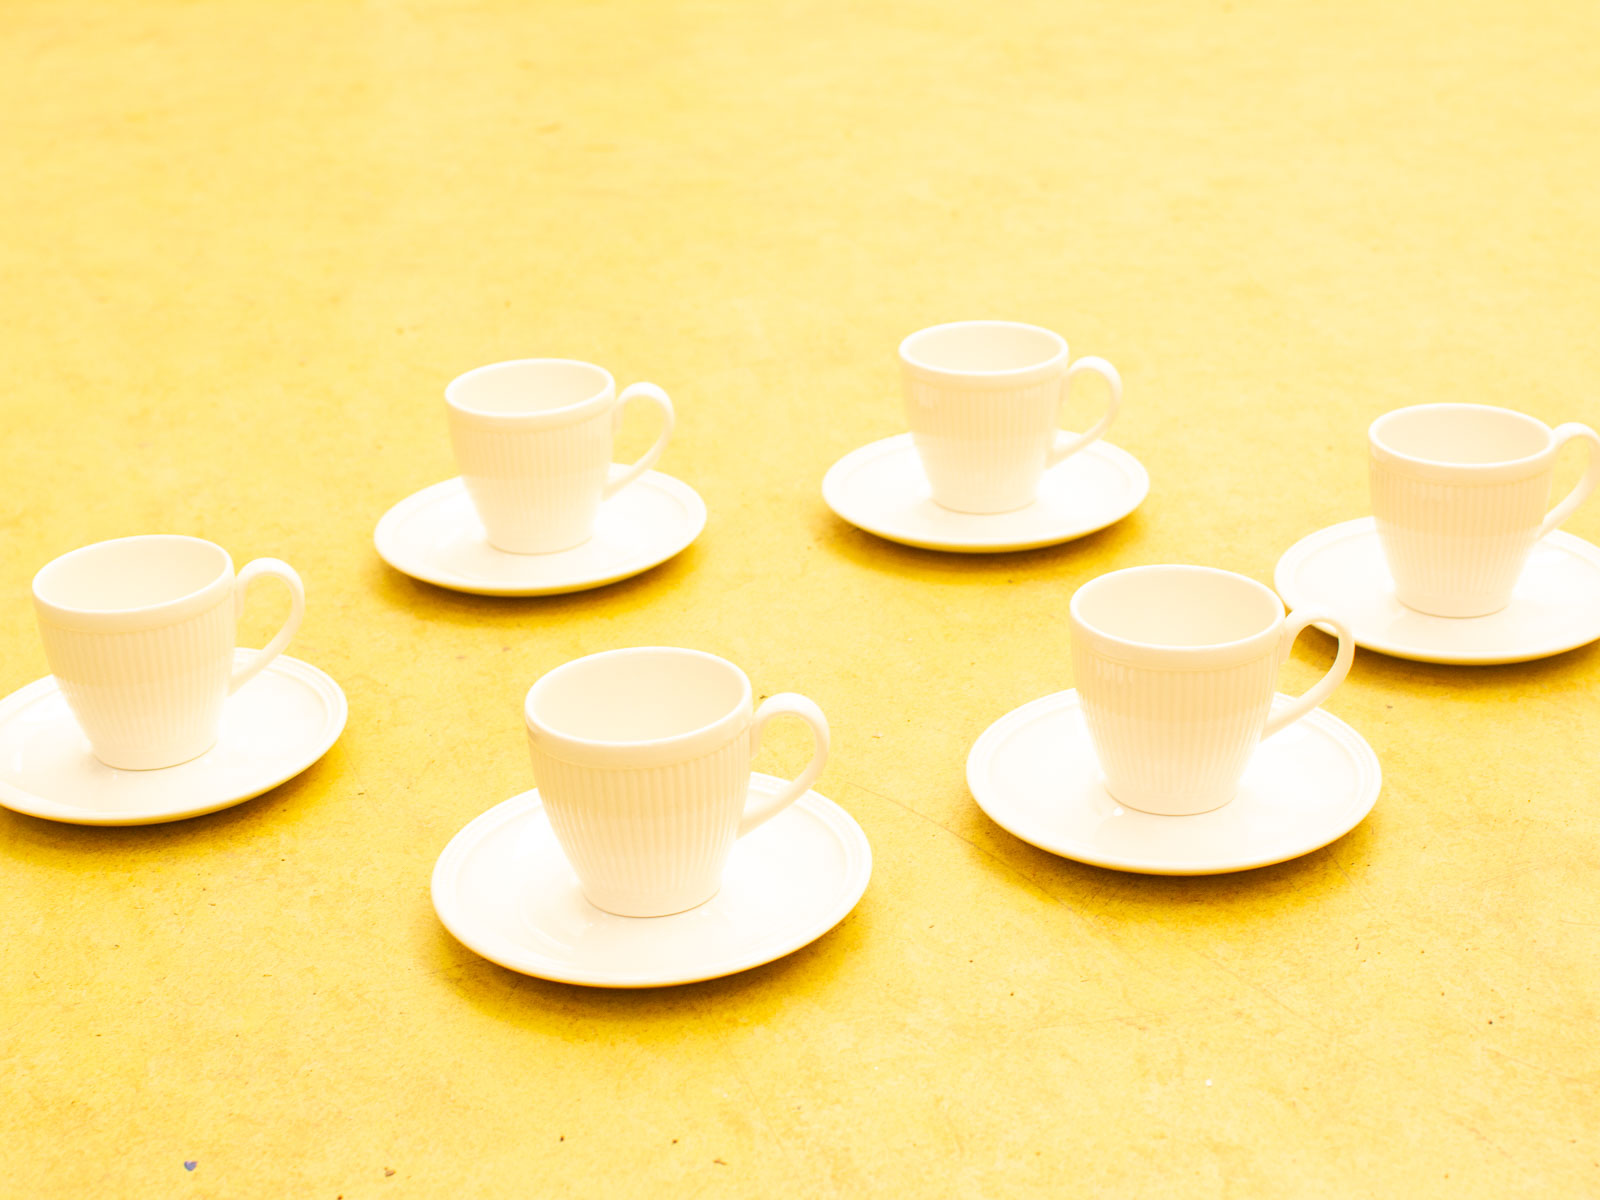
{"x":982,"y":346}
{"x":1173,"y":606}
{"x":130,"y":573}
{"x":1461,"y":434}
{"x":527,"y":386}
{"x":637,"y":695}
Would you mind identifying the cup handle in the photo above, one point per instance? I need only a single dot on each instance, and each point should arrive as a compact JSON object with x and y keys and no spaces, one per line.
{"x":787,"y":704}
{"x":650,"y":392}
{"x":1064,"y":450}
{"x":1566,"y":433}
{"x":253,"y":570}
{"x":1324,"y":687}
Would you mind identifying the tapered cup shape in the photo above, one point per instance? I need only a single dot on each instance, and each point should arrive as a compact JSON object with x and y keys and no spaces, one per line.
{"x":139,"y":633}
{"x":1176,"y":668}
{"x":983,"y":399}
{"x":642,"y":757}
{"x":533,"y":441}
{"x":1459,"y":496}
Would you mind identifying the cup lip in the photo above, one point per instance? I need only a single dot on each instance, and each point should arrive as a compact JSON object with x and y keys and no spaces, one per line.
{"x":533,"y":418}
{"x":641,"y":752}
{"x":1008,"y":378}
{"x":1434,"y":468}
{"x":1159,"y":654}
{"x":144,"y":616}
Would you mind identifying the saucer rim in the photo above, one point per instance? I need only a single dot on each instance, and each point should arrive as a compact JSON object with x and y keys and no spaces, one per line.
{"x":1307,"y":547}
{"x":1370,"y":785}
{"x":314,"y":679}
{"x":857,"y":852}
{"x":882,"y":447}
{"x":403,"y":510}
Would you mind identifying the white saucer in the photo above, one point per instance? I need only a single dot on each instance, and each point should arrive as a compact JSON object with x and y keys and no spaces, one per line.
{"x":1556,"y":606}
{"x":273,"y":728}
{"x":1034,"y":772}
{"x":882,"y":488}
{"x":435,"y":536}
{"x":504,"y":889}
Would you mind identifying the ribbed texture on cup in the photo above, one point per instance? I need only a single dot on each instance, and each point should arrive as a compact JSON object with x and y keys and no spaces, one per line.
{"x":1173,"y":741}
{"x":1456,"y":550}
{"x":150,"y":697}
{"x":647,"y":841}
{"x":536,"y":490}
{"x":983,"y":450}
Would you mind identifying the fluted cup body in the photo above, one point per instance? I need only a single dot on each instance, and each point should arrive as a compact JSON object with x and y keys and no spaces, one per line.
{"x":533,"y":441}
{"x":642,"y":757}
{"x":983,"y":449}
{"x":647,"y":840}
{"x":1176,"y":669}
{"x":139,"y":633}
{"x":1459,"y":497}
{"x":983,"y":401}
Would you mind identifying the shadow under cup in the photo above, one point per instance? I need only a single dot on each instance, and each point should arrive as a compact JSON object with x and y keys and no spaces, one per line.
{"x":642,"y":758}
{"x":1176,"y":669}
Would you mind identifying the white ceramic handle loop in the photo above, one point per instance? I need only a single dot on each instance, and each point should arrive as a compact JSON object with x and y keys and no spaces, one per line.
{"x":278,"y":569}
{"x":1324,"y":688}
{"x":1066,"y":449}
{"x":1564,"y":434}
{"x":650,"y":392}
{"x":787,"y":704}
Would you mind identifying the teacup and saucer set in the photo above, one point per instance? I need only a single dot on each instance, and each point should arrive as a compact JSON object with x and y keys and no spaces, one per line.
{"x":649,"y":854}
{"x":1459,"y":562}
{"x":986,"y":468}
{"x":539,"y":507}
{"x":1174,"y":755}
{"x":151,"y":713}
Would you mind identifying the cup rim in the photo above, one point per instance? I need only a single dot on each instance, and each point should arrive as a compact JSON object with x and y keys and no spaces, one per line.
{"x":641,"y":751}
{"x":1006,"y":377}
{"x":531,"y":417}
{"x":1168,"y":654}
{"x":135,"y":616}
{"x":1503,"y":466}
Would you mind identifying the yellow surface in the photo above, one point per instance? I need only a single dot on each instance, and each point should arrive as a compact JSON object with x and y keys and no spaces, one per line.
{"x":247,"y":244}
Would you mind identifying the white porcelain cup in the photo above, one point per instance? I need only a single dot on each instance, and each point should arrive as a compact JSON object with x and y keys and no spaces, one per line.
{"x":642,"y":757}
{"x":984,"y":402}
{"x":1176,"y":668}
{"x":533,"y":440}
{"x":1459,"y":493}
{"x":139,"y":633}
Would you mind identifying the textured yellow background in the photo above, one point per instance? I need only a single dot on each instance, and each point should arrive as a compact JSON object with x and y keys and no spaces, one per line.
{"x":246,"y":245}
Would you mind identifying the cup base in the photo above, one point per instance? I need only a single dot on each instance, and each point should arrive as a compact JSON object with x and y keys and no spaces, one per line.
{"x":1457,"y":611}
{"x":625,"y":906}
{"x":543,"y":550}
{"x":1169,"y":806}
{"x":985,"y":510}
{"x":144,"y":761}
